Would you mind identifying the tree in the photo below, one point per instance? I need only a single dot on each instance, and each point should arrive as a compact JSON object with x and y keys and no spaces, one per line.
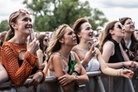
{"x":49,"y":14}
{"x":4,"y":26}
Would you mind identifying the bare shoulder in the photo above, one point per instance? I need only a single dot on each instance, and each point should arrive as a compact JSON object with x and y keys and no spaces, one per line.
{"x":108,"y":49}
{"x":108,"y":45}
{"x":56,"y":56}
{"x":75,"y":48}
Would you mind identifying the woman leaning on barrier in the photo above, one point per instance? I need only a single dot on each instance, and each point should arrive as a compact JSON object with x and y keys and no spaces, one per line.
{"x":63,"y":63}
{"x":19,"y":50}
{"x":130,"y":44}
{"x":113,"y":53}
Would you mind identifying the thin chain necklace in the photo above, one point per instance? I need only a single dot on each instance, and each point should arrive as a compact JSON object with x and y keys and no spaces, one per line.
{"x":65,"y":59}
{"x":65,"y":62}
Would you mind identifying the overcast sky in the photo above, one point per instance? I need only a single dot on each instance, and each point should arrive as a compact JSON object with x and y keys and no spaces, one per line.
{"x":113,"y":9}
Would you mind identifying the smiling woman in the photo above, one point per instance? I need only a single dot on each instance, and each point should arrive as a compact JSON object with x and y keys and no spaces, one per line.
{"x":19,"y":51}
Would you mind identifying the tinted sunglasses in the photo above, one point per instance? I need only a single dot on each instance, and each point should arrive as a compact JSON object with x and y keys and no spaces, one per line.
{"x":136,"y":29}
{"x":17,"y":14}
{"x":120,"y":26}
{"x":45,"y":40}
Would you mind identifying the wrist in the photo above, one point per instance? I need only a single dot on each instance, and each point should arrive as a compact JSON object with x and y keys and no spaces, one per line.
{"x":42,"y":74}
{"x":123,"y":65}
{"x":119,"y":73}
{"x":75,"y":78}
{"x":84,"y":65}
{"x":75,"y":73}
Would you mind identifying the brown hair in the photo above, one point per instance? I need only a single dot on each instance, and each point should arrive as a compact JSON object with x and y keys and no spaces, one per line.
{"x":106,"y":35}
{"x":77,"y":26}
{"x":10,"y":32}
{"x":123,"y":20}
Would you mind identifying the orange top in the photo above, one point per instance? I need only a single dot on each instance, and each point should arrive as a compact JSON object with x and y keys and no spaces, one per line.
{"x":10,"y":56}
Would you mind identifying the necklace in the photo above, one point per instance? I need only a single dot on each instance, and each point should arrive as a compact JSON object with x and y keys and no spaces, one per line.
{"x":65,"y":62}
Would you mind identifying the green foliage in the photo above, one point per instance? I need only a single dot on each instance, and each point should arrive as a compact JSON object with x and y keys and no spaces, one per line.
{"x":4,"y":26}
{"x":49,"y":14}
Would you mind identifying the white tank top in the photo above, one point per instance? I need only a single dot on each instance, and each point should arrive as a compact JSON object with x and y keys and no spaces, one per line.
{"x":93,"y":65}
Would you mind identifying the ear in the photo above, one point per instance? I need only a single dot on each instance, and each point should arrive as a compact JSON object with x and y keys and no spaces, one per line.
{"x":111,"y":32}
{"x":14,"y":25}
{"x":79,"y":35}
{"x":61,"y":40}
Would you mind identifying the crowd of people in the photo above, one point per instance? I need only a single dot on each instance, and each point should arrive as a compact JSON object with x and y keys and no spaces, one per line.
{"x":27,"y":58}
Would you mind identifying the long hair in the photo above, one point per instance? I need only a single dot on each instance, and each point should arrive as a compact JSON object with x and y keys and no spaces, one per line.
{"x":54,"y":45}
{"x":41,"y":39}
{"x":106,"y":34}
{"x":10,"y":32}
{"x":134,"y":41}
{"x":77,"y":26}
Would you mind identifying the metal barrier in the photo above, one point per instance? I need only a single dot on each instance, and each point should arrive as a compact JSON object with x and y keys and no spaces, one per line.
{"x":51,"y":85}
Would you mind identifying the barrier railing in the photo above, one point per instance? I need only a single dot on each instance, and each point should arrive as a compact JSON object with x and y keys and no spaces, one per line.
{"x":96,"y":76}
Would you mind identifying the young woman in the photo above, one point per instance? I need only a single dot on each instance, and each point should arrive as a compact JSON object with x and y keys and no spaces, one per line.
{"x":18,"y":53}
{"x":130,"y":44}
{"x":136,"y":34}
{"x":113,"y":53}
{"x":41,"y":52}
{"x":63,"y":63}
{"x":91,"y":57}
{"x":129,"y":40}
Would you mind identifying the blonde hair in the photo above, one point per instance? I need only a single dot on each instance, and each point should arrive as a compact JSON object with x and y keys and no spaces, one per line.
{"x":54,"y":45}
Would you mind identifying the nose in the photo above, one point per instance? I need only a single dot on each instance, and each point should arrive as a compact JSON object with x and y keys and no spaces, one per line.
{"x":74,"y":35}
{"x":123,"y":27}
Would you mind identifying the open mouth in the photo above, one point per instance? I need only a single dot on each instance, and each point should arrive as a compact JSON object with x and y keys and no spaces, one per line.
{"x":90,"y":34}
{"x":28,"y":26}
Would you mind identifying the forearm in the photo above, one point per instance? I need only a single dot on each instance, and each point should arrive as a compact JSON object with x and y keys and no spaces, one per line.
{"x":18,"y":74}
{"x":115,"y":65}
{"x":111,"y":72}
{"x":4,"y":76}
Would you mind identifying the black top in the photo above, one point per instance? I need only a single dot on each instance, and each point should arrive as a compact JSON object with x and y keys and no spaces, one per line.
{"x":34,"y":69}
{"x":117,"y":57}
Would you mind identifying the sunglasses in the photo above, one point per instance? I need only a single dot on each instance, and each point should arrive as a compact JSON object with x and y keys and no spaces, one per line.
{"x":120,"y":26}
{"x":17,"y":14}
{"x":136,"y":30}
{"x":45,"y":40}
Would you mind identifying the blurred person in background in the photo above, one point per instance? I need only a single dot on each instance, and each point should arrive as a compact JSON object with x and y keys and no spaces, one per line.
{"x":129,"y":42}
{"x":136,"y":34}
{"x":41,"y":52}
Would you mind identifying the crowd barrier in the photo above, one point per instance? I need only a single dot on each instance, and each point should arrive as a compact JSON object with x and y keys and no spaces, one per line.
{"x":95,"y":84}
